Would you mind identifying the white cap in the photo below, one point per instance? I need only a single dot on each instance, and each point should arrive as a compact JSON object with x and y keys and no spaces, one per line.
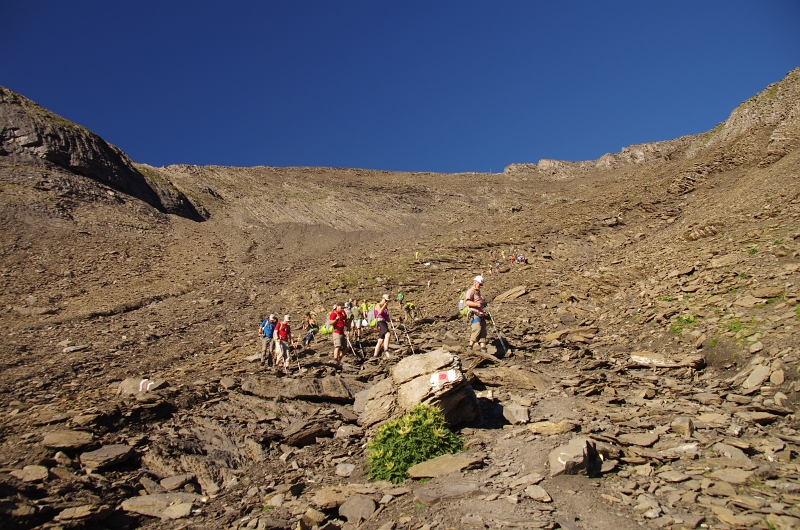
{"x":479,"y":279}
{"x":271,"y":317}
{"x":286,"y":318}
{"x":386,"y":297}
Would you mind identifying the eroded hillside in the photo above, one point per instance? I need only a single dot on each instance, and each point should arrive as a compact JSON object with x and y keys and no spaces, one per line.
{"x":660,"y":291}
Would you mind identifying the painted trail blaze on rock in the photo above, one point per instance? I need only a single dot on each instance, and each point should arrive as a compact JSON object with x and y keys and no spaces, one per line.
{"x":433,"y":378}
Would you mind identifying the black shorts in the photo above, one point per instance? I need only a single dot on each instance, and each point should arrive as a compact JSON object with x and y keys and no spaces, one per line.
{"x":383,"y":328}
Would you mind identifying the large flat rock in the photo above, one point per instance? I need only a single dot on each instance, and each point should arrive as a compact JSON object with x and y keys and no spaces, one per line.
{"x":512,"y":377}
{"x":327,"y":389}
{"x":155,"y":505}
{"x":443,"y":465}
{"x":306,"y":432}
{"x":107,"y":456}
{"x":67,"y":440}
{"x":432,"y":494}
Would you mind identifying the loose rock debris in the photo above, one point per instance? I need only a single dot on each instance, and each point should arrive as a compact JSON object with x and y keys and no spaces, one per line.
{"x":643,"y":370}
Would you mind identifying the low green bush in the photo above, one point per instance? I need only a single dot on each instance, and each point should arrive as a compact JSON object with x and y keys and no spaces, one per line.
{"x":419,"y":435}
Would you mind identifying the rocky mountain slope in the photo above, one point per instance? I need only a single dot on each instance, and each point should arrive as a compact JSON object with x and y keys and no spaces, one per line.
{"x":657,"y":314}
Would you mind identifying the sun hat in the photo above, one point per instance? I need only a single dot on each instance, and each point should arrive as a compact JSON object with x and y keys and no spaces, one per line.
{"x":479,"y":279}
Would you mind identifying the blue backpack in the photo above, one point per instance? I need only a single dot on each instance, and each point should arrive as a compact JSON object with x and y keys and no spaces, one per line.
{"x":267,"y":328}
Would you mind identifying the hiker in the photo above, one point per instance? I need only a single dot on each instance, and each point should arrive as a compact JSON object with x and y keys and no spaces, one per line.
{"x":283,"y":340}
{"x":382,"y":316}
{"x":477,"y":316}
{"x":355,"y":325}
{"x":410,"y":311}
{"x":310,"y":327}
{"x":429,"y":285}
{"x":338,"y":320}
{"x":400,"y":300}
{"x":266,"y":330}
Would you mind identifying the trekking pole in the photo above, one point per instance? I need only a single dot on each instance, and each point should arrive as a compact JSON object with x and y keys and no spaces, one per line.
{"x":409,"y":339}
{"x":502,"y":345}
{"x":396,"y":338}
{"x":350,"y":345}
{"x":296,"y":356}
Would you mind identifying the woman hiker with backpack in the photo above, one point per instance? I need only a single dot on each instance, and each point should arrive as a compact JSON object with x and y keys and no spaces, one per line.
{"x":310,"y":327}
{"x":383,"y":318}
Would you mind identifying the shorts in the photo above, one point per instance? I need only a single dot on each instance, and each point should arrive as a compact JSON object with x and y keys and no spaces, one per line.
{"x":478,"y":331}
{"x":282,"y":350}
{"x":338,"y":340}
{"x":357,"y":323}
{"x":383,"y":328}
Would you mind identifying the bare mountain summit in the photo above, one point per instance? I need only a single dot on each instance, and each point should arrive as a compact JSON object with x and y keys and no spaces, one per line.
{"x":642,"y":366}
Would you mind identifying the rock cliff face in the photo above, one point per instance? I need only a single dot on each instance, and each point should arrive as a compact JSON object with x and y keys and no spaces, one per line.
{"x":761,"y":130}
{"x":33,"y":136}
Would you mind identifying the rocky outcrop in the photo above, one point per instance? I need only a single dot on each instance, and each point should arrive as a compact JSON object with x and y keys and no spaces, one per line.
{"x":767,"y":126}
{"x":30,"y":135}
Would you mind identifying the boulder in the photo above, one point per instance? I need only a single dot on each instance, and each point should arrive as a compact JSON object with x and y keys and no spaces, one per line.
{"x":155,"y":505}
{"x":515,"y":414}
{"x":67,"y":440}
{"x":443,"y":465}
{"x":357,"y":508}
{"x":85,"y":513}
{"x":135,"y":385}
{"x":433,"y":378}
{"x":648,"y":358}
{"x":330,"y":497}
{"x":306,"y":432}
{"x":512,"y":377}
{"x":31,"y":474}
{"x":642,"y":439}
{"x":550,"y":428}
{"x":756,"y":377}
{"x":329,"y":389}
{"x":511,"y":294}
{"x":107,"y":456}
{"x":580,"y":455}
{"x":176,"y":481}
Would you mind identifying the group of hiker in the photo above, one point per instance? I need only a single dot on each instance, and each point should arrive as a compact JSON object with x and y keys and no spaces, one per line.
{"x":347,"y":321}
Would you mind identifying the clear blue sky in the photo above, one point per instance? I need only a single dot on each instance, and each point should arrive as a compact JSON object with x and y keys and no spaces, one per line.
{"x":409,"y":85}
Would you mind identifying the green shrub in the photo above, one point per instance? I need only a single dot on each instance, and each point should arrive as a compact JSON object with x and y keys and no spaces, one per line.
{"x":684,"y":321}
{"x":419,"y":435}
{"x":734,"y":325}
